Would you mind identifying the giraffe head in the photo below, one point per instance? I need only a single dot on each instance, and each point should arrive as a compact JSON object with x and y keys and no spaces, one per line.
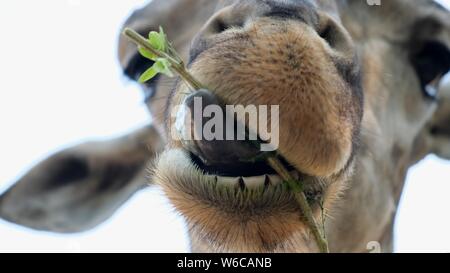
{"x":361,"y":98}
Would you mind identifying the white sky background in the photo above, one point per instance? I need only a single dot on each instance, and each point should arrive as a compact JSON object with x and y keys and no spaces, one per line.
{"x":67,"y":88}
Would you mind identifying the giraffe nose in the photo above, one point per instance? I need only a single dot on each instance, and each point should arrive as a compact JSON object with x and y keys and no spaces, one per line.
{"x":239,"y":15}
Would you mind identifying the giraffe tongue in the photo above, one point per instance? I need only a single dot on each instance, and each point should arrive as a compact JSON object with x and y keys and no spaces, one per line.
{"x":213,"y":150}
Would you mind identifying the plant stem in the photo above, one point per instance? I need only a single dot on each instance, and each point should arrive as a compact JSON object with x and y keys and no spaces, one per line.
{"x":177,"y":66}
{"x":273,"y":161}
{"x":301,"y":199}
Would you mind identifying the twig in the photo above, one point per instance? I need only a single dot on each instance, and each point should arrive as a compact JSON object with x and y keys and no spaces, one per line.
{"x":301,"y":199}
{"x":273,"y":161}
{"x":177,"y":66}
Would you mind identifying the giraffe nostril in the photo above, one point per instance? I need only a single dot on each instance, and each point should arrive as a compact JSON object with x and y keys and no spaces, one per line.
{"x":222,"y":21}
{"x":220,"y":26}
{"x":333,"y":33}
{"x":327,"y":35}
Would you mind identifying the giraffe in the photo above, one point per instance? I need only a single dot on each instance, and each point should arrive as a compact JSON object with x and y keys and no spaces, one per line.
{"x":361,"y":96}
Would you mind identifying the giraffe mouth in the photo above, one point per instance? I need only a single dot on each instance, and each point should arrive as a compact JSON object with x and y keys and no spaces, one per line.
{"x":260,"y":186}
{"x":243,"y":175}
{"x":238,"y":168}
{"x":213,"y":204}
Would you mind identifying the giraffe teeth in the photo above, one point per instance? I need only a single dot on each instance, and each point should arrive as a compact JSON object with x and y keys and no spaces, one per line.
{"x":254,"y":181}
{"x":229,"y":181}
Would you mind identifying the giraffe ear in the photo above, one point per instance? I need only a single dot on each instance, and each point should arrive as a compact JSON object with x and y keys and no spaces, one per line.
{"x":440,"y":127}
{"x":79,"y":188}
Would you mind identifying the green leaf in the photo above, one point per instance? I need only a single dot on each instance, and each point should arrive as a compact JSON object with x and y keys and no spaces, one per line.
{"x":163,"y":37}
{"x":163,"y":66}
{"x":157,"y":40}
{"x":147,"y":54}
{"x":148,"y":75}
